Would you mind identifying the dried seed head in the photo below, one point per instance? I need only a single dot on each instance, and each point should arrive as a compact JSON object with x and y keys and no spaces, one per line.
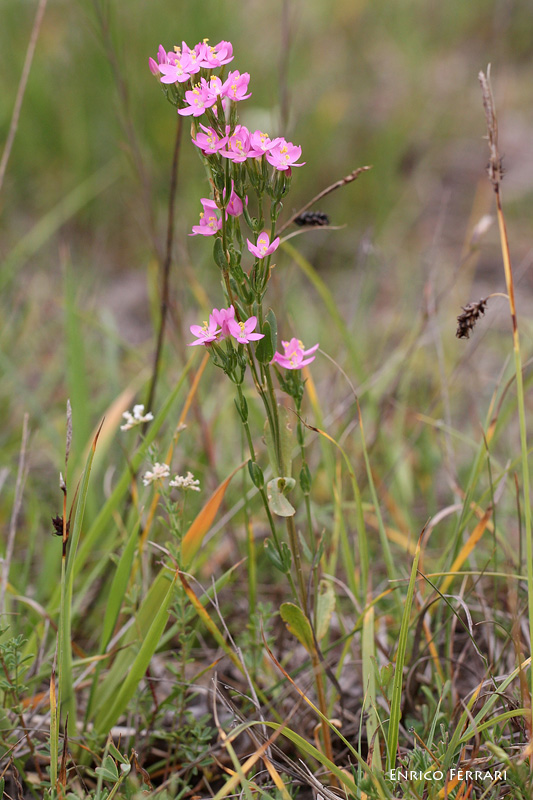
{"x":494,"y":167}
{"x":467,"y":320}
{"x":57,"y":522}
{"x":312,"y":218}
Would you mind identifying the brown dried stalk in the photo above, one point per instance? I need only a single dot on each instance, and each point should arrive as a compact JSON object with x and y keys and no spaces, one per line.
{"x":22,"y":88}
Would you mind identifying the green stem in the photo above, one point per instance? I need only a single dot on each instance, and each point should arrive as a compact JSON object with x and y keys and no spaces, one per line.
{"x":296,"y":557}
{"x":521,"y":416}
{"x":262,"y":491}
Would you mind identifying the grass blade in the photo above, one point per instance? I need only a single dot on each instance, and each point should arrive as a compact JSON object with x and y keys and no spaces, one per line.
{"x":396,"y":700}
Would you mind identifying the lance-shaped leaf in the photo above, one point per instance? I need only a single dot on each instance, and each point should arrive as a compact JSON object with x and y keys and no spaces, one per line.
{"x":298,"y":624}
{"x":195,"y":535}
{"x":118,"y":703}
{"x":325,"y":606}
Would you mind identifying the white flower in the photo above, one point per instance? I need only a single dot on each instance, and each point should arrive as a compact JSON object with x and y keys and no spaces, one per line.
{"x":185,"y":483}
{"x":136,"y":418}
{"x":159,"y":471}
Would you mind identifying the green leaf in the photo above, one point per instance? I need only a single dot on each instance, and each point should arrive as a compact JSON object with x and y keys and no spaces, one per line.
{"x":298,"y":624}
{"x":276,"y":499}
{"x":325,"y":607}
{"x":131,"y":643}
{"x":281,"y":561}
{"x":119,"y":586}
{"x":67,"y":700}
{"x":116,"y":753}
{"x":396,"y":700}
{"x":273,"y":323}
{"x":256,"y":474}
{"x":385,"y":677}
{"x":219,"y":255}
{"x":242,"y":408}
{"x":119,"y":702}
{"x":264,"y":351}
{"x":305,"y":479}
{"x":108,"y":771}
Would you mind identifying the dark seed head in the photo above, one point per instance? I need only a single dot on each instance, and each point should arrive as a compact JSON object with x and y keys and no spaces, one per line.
{"x":57,"y":522}
{"x":467,"y":320}
{"x":312,"y":218}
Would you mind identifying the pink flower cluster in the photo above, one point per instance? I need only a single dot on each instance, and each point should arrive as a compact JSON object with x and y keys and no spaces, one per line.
{"x":294,"y":356}
{"x":222,"y":323}
{"x":181,"y":64}
{"x":177,"y":66}
{"x":242,"y":145}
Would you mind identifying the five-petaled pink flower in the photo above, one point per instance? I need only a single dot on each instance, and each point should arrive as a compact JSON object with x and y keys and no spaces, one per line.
{"x":209,"y":141}
{"x":238,"y":145}
{"x":178,"y":69}
{"x":209,"y":221}
{"x":284,"y":155}
{"x":294,"y":355}
{"x":263,"y":247}
{"x":212,"y":57}
{"x":242,"y":331}
{"x":199,"y":98}
{"x":206,"y":333}
{"x":236,"y":85}
{"x":261,"y":144}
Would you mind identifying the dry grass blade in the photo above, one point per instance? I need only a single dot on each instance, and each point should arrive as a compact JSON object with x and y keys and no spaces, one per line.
{"x":22,"y":88}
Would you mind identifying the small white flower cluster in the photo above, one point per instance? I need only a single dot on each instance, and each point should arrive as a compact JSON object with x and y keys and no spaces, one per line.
{"x":162,"y":471}
{"x":136,"y":418}
{"x":159,"y":471}
{"x":185,"y":483}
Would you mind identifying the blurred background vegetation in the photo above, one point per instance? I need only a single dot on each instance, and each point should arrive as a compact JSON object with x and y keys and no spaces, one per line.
{"x":84,"y":204}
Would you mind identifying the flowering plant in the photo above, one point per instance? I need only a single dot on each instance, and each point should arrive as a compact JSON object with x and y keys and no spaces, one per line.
{"x":248,"y":170}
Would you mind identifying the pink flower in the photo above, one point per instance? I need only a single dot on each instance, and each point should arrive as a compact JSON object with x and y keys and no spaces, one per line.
{"x":177,"y":69}
{"x":263,"y":247}
{"x":294,"y":355}
{"x":214,"y":86}
{"x":260,"y":144}
{"x":206,"y":333}
{"x":235,"y":205}
{"x":222,"y":317}
{"x":192,"y":54}
{"x":209,"y":142}
{"x":284,"y":155}
{"x":154,"y":66}
{"x":238,"y":145}
{"x":242,"y":331}
{"x":212,"y":57}
{"x":209,"y":221}
{"x":199,"y":98}
{"x":236,"y":85}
